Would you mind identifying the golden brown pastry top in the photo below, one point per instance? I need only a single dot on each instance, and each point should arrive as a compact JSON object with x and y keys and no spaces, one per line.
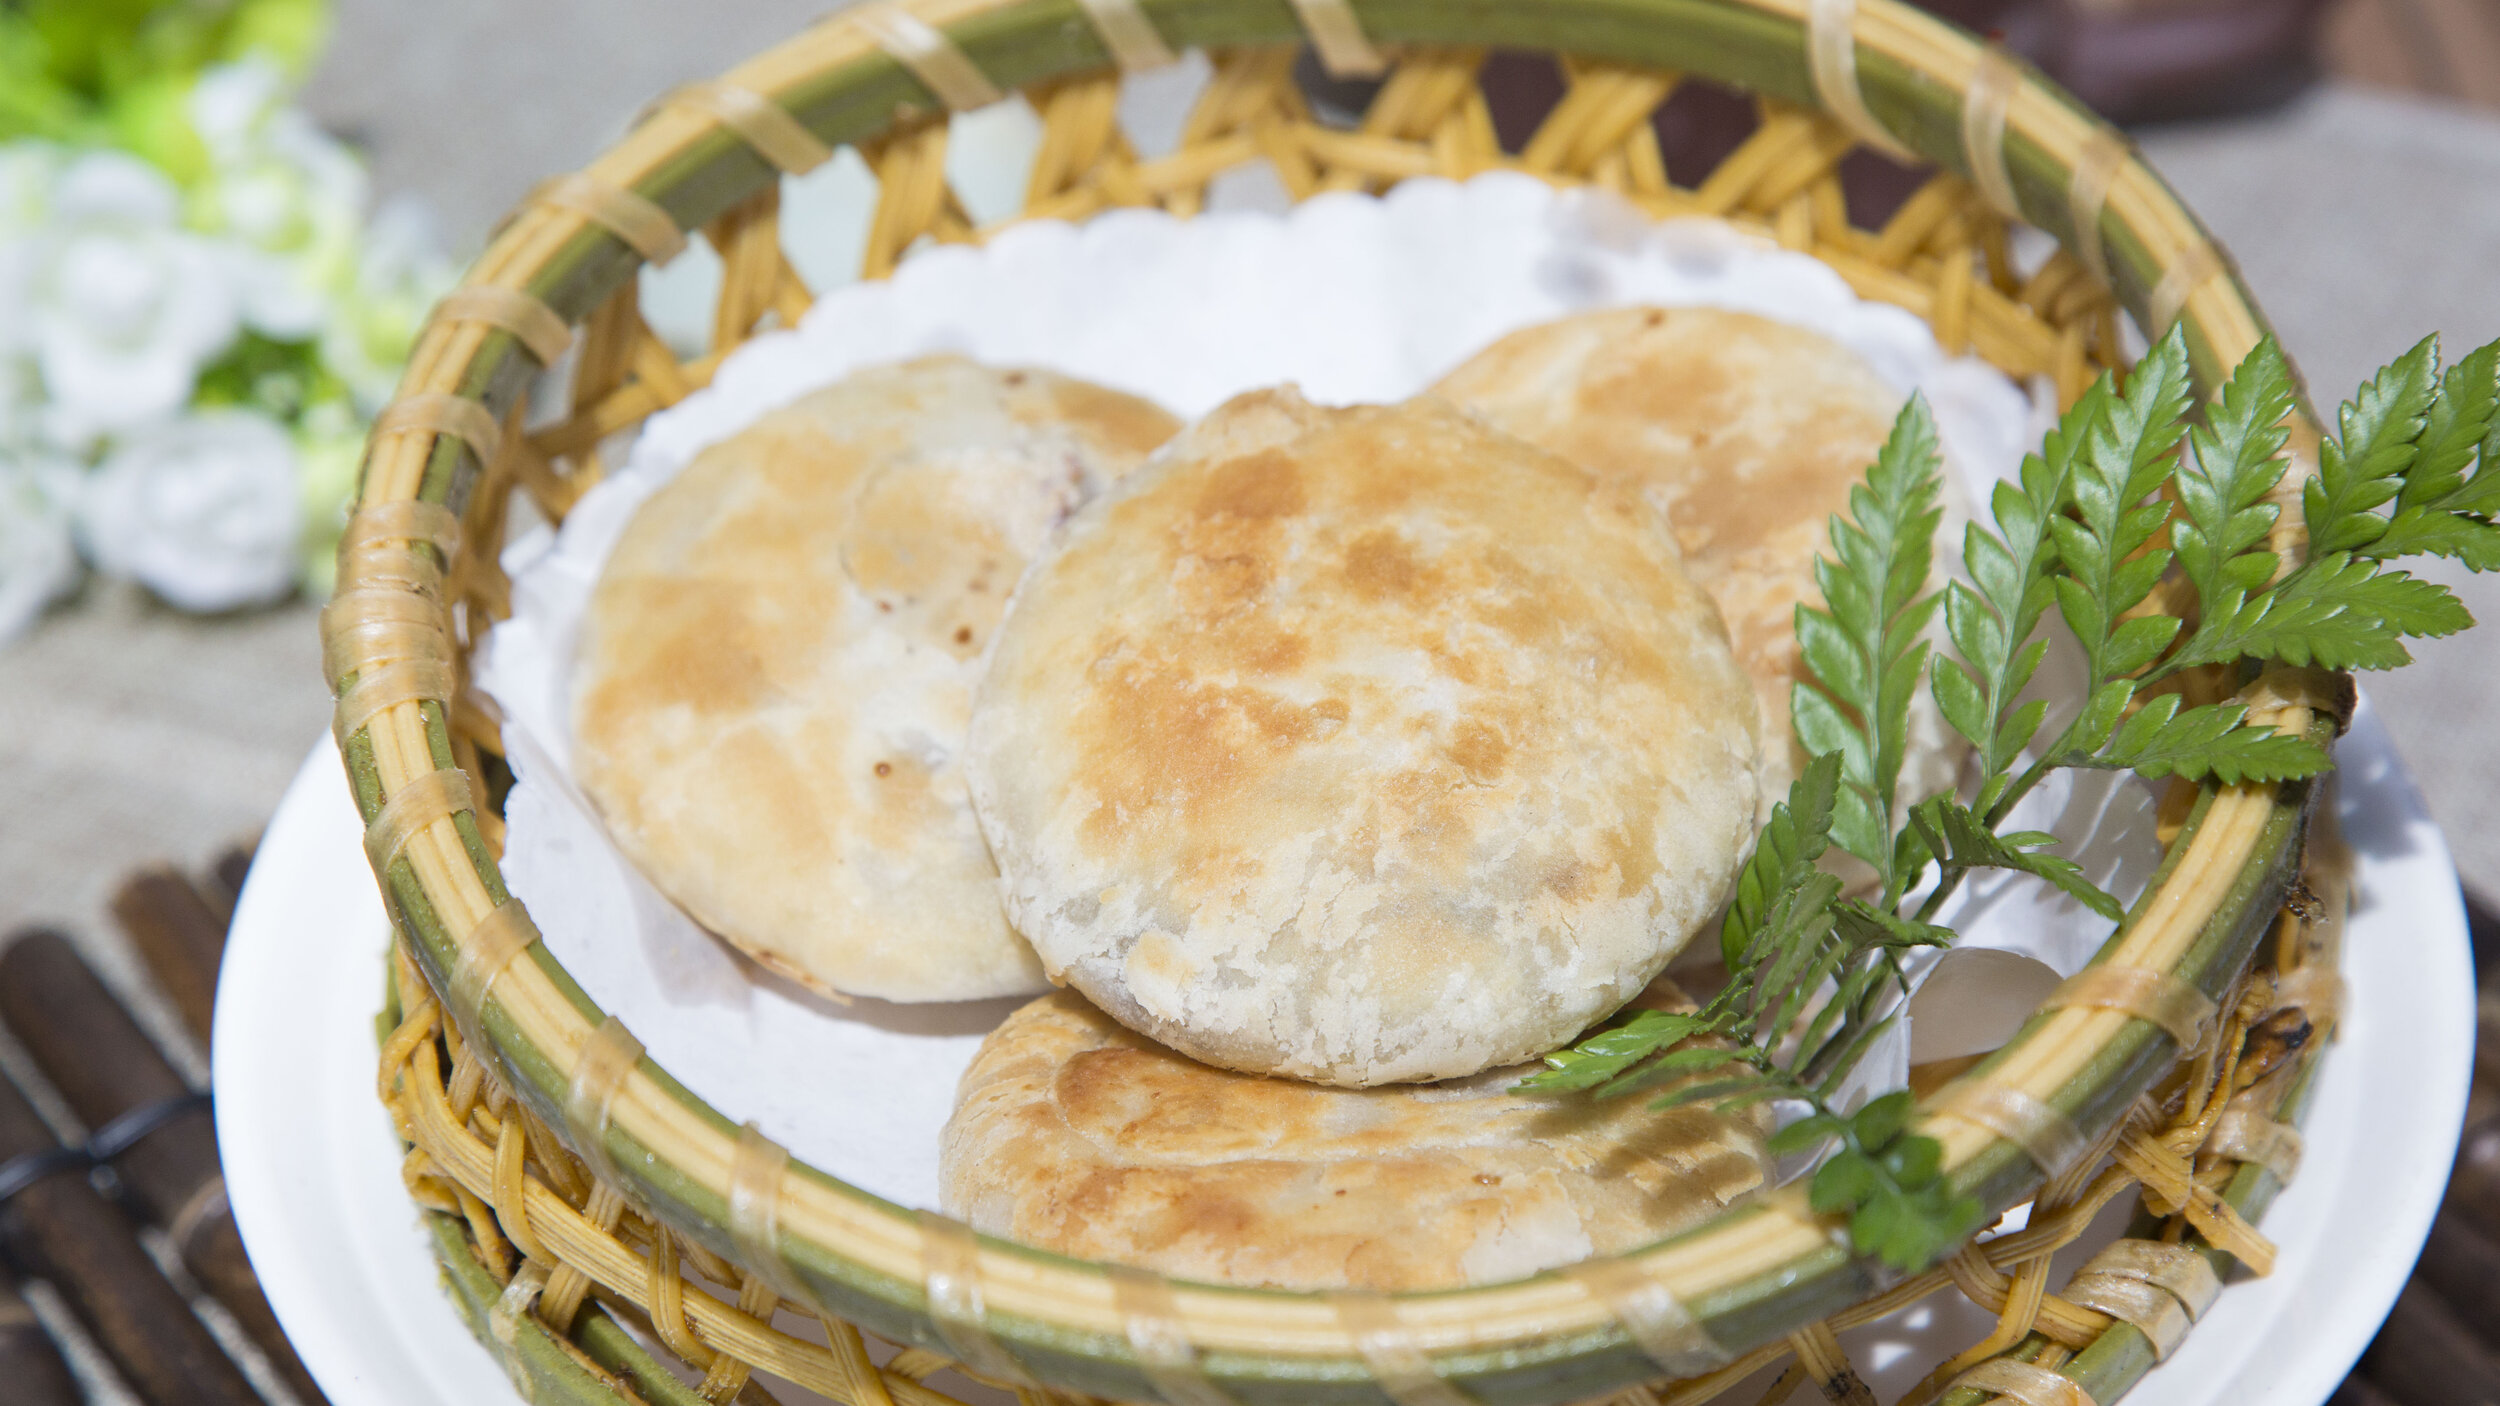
{"x":1747,"y":433}
{"x":1362,"y":745}
{"x":779,"y":658}
{"x":1076,"y":1135}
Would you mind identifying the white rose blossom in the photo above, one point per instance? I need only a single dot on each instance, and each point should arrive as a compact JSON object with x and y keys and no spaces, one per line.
{"x":119,"y":307}
{"x":202,"y":510}
{"x":401,"y":275}
{"x":28,"y":170}
{"x":285,"y":199}
{"x":38,"y":560}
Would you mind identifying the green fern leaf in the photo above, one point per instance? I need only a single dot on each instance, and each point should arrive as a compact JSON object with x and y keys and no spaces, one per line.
{"x":2337,"y":612}
{"x":2363,"y":468}
{"x":2237,"y":461}
{"x":2105,"y":541}
{"x":1863,"y":649}
{"x":2439,"y":510}
{"x":1958,"y":836}
{"x":2162,"y":739}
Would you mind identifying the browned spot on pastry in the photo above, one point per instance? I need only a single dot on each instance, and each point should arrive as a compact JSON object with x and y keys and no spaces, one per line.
{"x":1266,"y":484}
{"x":1380,"y":563}
{"x":1479,"y":750}
{"x":1123,"y":421}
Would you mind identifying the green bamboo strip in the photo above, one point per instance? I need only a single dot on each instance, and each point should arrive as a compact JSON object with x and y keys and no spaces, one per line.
{"x":544,"y":1372}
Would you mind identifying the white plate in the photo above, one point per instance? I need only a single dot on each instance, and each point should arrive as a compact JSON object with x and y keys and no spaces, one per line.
{"x":312,"y":1165}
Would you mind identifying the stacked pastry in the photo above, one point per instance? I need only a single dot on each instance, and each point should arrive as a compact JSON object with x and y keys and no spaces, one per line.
{"x":1340,"y":761}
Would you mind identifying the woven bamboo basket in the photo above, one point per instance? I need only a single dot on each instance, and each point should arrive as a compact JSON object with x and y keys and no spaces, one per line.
{"x":574,"y":1183}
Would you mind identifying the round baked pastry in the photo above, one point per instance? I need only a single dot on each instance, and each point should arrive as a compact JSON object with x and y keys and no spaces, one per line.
{"x":1073,"y":1134}
{"x":1364,"y":746}
{"x":1748,"y":434}
{"x":778,"y":663}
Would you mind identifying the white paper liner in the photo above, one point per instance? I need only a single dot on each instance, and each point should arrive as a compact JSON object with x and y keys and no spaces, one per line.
{"x":1357,"y":299}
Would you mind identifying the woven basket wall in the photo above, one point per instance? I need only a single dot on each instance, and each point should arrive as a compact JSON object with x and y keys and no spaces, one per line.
{"x":565,"y":1168}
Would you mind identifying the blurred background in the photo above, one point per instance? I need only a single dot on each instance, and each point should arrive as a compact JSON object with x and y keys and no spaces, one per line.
{"x":159,"y":660}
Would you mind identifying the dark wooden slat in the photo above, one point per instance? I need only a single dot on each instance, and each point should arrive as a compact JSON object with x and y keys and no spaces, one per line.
{"x":2425,"y":1357}
{"x":180,"y":937}
{"x":229,"y":872}
{"x":104,"y":1067}
{"x":2462,"y":1264}
{"x":63,"y":1231}
{"x":31,"y":1370}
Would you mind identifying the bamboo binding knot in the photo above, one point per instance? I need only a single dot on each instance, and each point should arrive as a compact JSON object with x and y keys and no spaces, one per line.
{"x":607,"y":1057}
{"x":413,"y":807}
{"x":636,"y":221}
{"x":950,"y":1273}
{"x":2283,"y":688}
{"x":453,"y":416}
{"x":2245,"y":1134}
{"x":381,"y":687}
{"x":2026,"y":1382}
{"x":1405,"y":1373}
{"x":1832,"y":54}
{"x":1657,"y":1321}
{"x":1151,"y":1318}
{"x":490,"y":947}
{"x":1984,"y":106}
{"x":754,"y":1211}
{"x":540,"y":329}
{"x":2180,"y":282}
{"x":1133,"y":40}
{"x":2316,"y":991}
{"x":503,"y":1322}
{"x":1344,"y":50}
{"x":2105,"y":153}
{"x":767,"y":128}
{"x":378,"y":556}
{"x":2178,"y":1008}
{"x":2048,"y":1137}
{"x":2158,"y":1288}
{"x":927,"y":54}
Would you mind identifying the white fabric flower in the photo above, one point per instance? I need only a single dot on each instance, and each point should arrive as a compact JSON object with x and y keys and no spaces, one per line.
{"x":401,"y":275}
{"x":285,"y":199}
{"x":38,"y":559}
{"x":28,"y":171}
{"x":203,"y":510}
{"x":119,"y":307}
{"x":329,"y":453}
{"x":231,"y":103}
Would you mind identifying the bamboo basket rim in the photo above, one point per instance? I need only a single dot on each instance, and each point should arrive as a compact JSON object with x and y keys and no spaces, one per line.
{"x":1755,"y":1272}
